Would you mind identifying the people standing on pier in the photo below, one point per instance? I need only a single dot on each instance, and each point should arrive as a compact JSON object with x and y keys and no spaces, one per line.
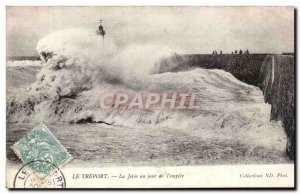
{"x":233,"y":52}
{"x":214,"y":52}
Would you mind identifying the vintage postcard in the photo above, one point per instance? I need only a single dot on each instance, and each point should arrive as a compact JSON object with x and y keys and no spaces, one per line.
{"x":150,"y":97}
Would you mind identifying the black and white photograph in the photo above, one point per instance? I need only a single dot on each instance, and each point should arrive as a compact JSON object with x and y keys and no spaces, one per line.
{"x":138,"y":87}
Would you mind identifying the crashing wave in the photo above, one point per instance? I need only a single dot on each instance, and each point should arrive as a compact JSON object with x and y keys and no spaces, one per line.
{"x":78,"y":66}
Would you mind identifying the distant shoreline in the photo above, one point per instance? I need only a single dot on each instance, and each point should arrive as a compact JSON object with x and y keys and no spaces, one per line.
{"x":19,"y":58}
{"x":37,"y":58}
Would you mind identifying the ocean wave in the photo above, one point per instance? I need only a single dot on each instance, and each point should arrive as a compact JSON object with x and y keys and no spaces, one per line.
{"x":77,"y":67}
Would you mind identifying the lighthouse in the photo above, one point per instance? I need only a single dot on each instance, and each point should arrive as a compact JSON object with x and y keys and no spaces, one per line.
{"x":101,"y":30}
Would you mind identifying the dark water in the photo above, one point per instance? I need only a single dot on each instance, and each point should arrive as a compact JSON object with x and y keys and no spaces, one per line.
{"x":99,"y":144}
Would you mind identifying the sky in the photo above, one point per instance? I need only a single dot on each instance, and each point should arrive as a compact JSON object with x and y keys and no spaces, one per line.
{"x":190,"y":30}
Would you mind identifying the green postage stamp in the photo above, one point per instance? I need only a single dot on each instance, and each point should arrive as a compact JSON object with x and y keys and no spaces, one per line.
{"x":39,"y":144}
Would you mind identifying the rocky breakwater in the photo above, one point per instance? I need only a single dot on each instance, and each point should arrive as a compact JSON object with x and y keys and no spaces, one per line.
{"x":277,"y":81}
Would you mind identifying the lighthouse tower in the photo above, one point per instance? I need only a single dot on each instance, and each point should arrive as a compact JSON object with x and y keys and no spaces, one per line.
{"x":101,"y":30}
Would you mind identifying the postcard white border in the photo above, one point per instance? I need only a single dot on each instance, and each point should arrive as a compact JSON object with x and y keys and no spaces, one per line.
{"x":104,"y":2}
